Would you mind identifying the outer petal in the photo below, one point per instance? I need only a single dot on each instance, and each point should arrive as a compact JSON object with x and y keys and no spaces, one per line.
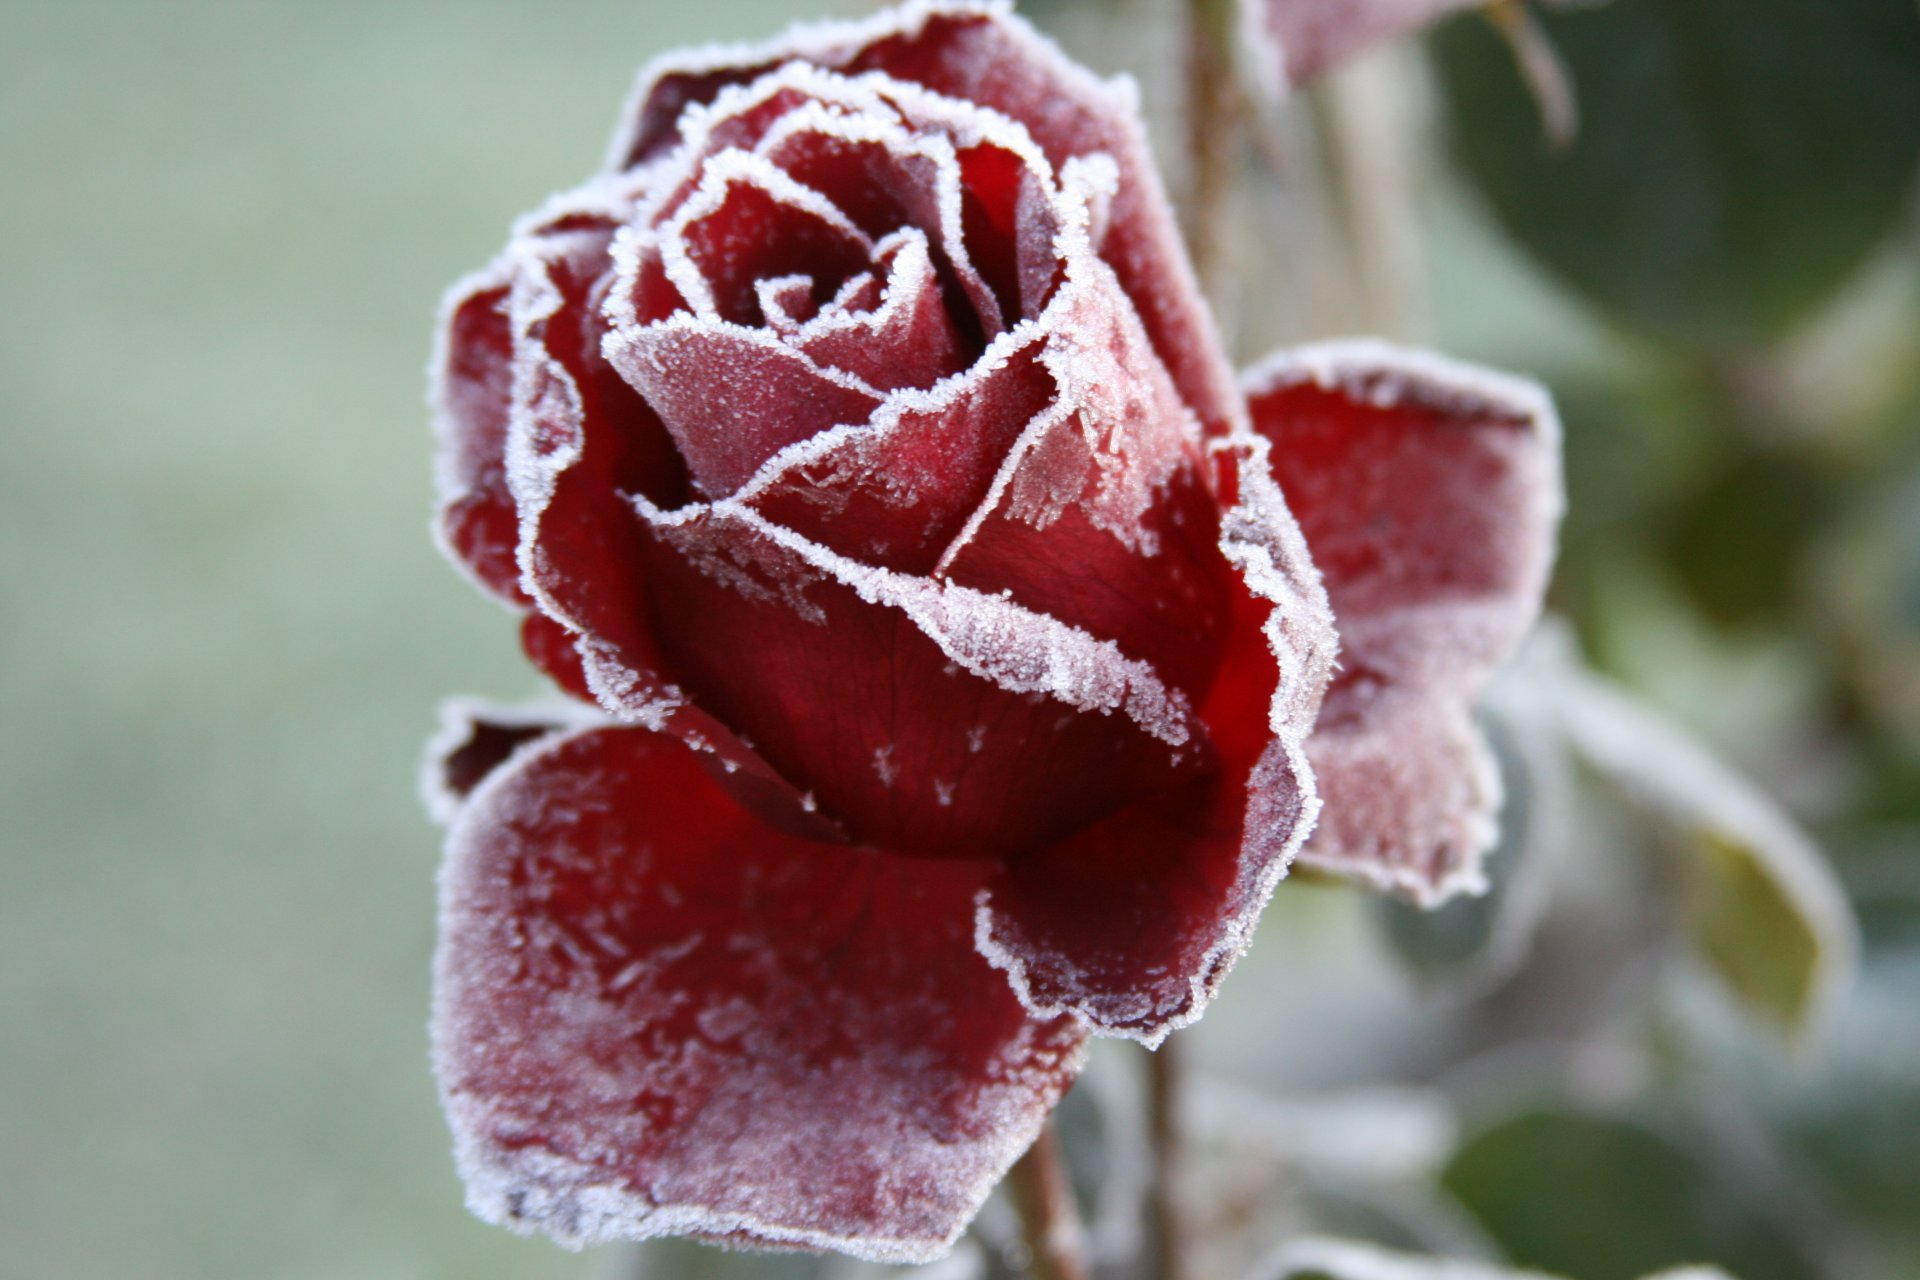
{"x":472,"y":379}
{"x":982,"y":53}
{"x":1429,"y":492}
{"x":1133,"y":922}
{"x":654,"y":1016}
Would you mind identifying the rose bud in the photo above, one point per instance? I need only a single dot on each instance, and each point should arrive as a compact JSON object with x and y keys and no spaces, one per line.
{"x":859,"y":453}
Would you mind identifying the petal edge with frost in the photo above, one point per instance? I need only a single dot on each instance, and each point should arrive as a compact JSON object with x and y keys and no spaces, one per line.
{"x":1135,"y":921}
{"x":1429,"y":492}
{"x":655,"y":1016}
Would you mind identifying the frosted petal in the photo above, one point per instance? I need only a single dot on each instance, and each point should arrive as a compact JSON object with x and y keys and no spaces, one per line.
{"x":994,"y":729}
{"x":1134,"y":922}
{"x":733,"y":397}
{"x":1429,"y":492}
{"x":982,"y":53}
{"x":472,"y":378}
{"x":653,"y":1016}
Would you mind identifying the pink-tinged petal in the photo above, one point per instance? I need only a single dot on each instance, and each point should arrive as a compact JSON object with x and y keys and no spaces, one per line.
{"x":1133,"y":922}
{"x":1296,"y":40}
{"x":928,"y":718}
{"x":982,"y":53}
{"x":733,"y":397}
{"x":1429,"y":492}
{"x":654,"y":1016}
{"x":1100,"y":515}
{"x":896,"y":491}
{"x":472,"y":382}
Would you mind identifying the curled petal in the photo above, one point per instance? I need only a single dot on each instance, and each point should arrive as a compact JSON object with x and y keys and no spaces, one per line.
{"x":928,"y":717}
{"x":1134,"y":921}
{"x":472,"y":383}
{"x":1101,"y":514}
{"x":979,"y":52}
{"x":1429,"y":492}
{"x":653,"y":1016}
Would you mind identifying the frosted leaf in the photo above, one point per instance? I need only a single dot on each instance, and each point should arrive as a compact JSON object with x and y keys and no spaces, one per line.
{"x":655,"y":1017}
{"x":1429,"y":492}
{"x":1764,"y":907}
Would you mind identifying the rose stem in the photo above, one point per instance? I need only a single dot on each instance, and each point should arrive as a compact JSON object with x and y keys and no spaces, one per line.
{"x":1214,"y":115}
{"x":1049,"y":1220}
{"x":1166,"y":1227}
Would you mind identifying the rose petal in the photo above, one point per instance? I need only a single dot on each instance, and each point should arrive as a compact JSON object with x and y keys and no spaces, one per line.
{"x":580,"y":439}
{"x":733,"y":397}
{"x":1100,"y":515}
{"x":472,"y":379}
{"x":926,"y":717}
{"x":654,"y":1017}
{"x":474,"y":739}
{"x":1296,"y":40}
{"x":981,"y":53}
{"x":895,"y":491}
{"x":1429,"y":492}
{"x":1134,"y":922}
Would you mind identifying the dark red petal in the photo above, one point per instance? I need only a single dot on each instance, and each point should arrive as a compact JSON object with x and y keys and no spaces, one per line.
{"x":1296,"y":40}
{"x":733,"y":397}
{"x":744,"y":232}
{"x":472,"y":385}
{"x":986,"y":55}
{"x":474,"y":739}
{"x":928,"y":718}
{"x":1429,"y":492}
{"x":896,"y":492}
{"x":894,"y":332}
{"x":998,"y":61}
{"x":582,"y":440}
{"x":654,"y":1016}
{"x":1102,"y":516}
{"x":1135,"y":921}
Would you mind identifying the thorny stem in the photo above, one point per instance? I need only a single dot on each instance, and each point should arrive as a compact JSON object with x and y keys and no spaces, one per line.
{"x":1049,"y":1220}
{"x":1166,"y":1226}
{"x":1215,"y":111}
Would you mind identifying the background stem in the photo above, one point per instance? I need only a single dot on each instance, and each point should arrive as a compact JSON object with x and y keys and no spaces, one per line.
{"x":1049,"y":1219}
{"x":1166,"y":1226}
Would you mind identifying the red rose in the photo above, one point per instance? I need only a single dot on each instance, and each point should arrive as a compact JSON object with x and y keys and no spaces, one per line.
{"x":858,"y":447}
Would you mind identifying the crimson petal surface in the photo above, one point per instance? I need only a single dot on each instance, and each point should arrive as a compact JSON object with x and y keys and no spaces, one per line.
{"x":1429,"y":492}
{"x":653,"y":1015}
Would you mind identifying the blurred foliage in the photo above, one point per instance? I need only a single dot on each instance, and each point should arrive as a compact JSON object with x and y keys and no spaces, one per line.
{"x":1736,"y":160}
{"x":1596,"y":1198}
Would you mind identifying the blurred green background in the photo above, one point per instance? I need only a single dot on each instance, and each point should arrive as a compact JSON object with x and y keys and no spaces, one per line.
{"x":223,"y":231}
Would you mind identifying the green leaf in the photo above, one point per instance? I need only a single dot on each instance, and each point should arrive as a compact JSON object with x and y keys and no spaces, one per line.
{"x":1736,"y":159}
{"x":1598,"y":1198}
{"x":1762,"y":906}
